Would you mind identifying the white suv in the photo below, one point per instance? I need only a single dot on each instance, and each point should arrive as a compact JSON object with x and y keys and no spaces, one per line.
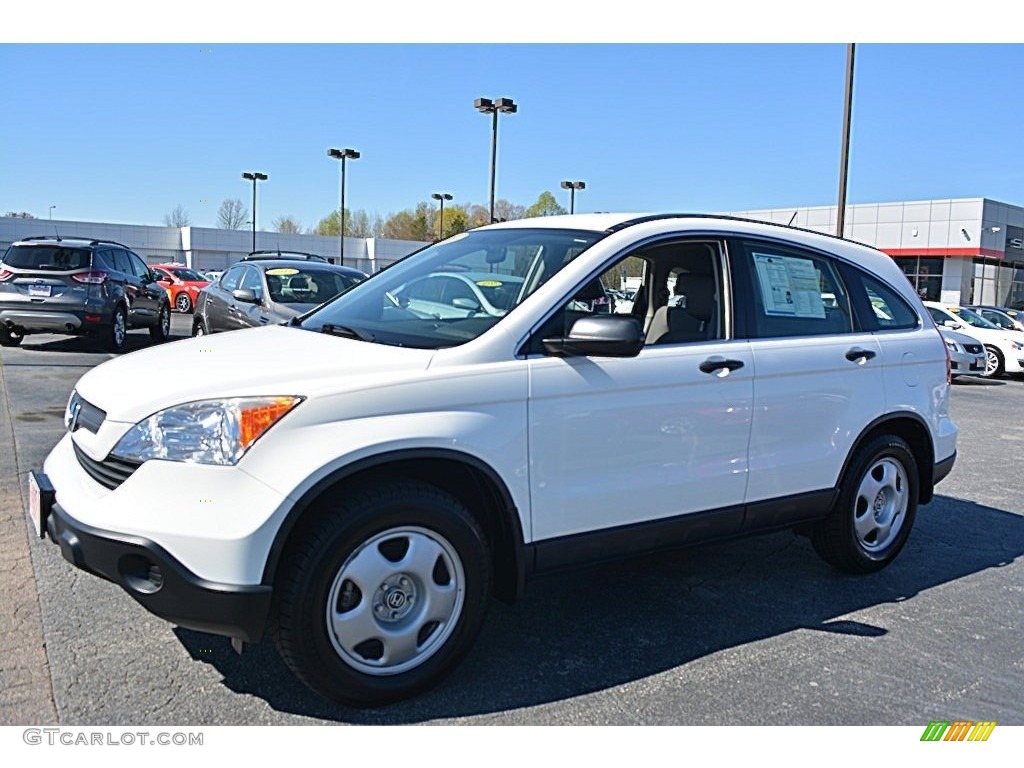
{"x":359,"y":482}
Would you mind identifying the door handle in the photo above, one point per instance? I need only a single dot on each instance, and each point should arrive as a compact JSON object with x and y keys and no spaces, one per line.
{"x":716,"y":363}
{"x":858,"y":355}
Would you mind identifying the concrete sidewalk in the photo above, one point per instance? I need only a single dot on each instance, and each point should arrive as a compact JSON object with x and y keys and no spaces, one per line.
{"x":26,"y":696}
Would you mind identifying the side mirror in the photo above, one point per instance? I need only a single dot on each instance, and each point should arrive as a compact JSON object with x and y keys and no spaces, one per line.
{"x":599,"y":336}
{"x":245,"y":295}
{"x":952,"y":324}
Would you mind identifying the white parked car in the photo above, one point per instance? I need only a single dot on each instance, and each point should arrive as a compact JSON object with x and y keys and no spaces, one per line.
{"x":966,"y":354}
{"x":359,"y":483}
{"x":1004,"y":349}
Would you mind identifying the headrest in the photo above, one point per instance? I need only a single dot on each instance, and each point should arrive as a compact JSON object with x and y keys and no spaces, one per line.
{"x":700,"y":296}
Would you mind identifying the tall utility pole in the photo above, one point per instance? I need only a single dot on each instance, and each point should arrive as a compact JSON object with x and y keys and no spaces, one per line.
{"x":488,"y":107}
{"x":844,"y":164}
{"x":254,"y":177}
{"x":441,"y":196}
{"x":572,"y":186}
{"x":343,"y":155}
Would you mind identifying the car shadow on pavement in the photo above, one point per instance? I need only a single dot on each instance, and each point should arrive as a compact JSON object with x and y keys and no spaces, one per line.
{"x":591,"y":629}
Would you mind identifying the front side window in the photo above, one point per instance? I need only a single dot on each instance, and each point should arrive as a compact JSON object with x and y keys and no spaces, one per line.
{"x":415,"y":302}
{"x":231,"y":278}
{"x":796,"y":293}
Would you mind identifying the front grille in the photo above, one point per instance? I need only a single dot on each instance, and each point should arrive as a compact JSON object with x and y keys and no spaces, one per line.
{"x":974,"y":349}
{"x":110,"y":472}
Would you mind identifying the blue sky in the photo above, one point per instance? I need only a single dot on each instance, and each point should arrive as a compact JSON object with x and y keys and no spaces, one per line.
{"x":124,"y":132}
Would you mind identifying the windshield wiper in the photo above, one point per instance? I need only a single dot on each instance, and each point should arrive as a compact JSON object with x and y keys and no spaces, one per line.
{"x":344,"y":332}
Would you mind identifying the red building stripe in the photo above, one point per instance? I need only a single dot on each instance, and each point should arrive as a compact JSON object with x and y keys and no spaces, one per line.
{"x":966,"y":252}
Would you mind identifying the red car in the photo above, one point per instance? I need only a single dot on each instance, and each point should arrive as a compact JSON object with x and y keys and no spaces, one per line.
{"x":182,"y":284}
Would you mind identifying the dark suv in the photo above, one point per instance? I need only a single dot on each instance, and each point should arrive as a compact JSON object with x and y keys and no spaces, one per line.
{"x":80,"y":287}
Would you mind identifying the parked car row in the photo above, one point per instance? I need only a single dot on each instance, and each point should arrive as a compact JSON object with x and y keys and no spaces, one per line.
{"x":1004,"y":347}
{"x":103,"y":289}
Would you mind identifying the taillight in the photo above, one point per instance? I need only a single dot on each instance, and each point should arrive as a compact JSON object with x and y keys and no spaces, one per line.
{"x":5,"y":274}
{"x":93,"y":278}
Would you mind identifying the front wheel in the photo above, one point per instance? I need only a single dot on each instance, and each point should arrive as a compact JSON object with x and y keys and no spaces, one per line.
{"x":383,"y":593}
{"x":198,"y":327}
{"x":875,"y":509}
{"x":993,"y":363}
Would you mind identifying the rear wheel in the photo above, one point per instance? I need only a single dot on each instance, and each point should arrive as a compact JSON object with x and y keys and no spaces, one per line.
{"x":162,"y":330}
{"x":993,"y":363}
{"x":383,"y":593}
{"x":182,"y":302}
{"x":115,"y":336}
{"x":875,"y":510}
{"x":10,"y":337}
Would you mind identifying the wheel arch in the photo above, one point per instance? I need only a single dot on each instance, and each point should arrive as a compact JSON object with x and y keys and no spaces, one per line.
{"x":914,"y":430}
{"x":467,"y":478}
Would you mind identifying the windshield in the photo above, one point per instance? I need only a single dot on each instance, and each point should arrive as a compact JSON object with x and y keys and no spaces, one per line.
{"x":188,"y":274}
{"x":973,"y":318}
{"x":53,"y":257}
{"x":299,"y":285}
{"x":451,"y":292}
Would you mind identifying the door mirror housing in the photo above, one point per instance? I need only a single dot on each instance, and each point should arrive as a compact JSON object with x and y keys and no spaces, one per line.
{"x":245,"y":295}
{"x":599,"y":336}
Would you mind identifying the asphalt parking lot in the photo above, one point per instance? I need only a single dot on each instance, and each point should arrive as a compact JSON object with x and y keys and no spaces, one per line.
{"x":758,"y":632}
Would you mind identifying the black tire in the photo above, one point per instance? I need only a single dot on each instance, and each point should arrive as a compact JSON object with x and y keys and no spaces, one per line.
{"x":10,"y":338}
{"x":878,"y":494}
{"x":115,"y":335}
{"x":199,"y":327}
{"x":358,"y":538}
{"x":161,"y":332}
{"x":994,"y":364}
{"x":183,"y":303}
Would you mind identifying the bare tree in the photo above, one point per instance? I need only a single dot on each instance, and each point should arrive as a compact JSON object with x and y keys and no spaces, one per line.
{"x":19,"y":215}
{"x":232,"y":215}
{"x":179,"y":217}
{"x":286,"y":224}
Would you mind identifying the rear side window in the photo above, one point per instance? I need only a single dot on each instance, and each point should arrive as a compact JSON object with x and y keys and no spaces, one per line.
{"x":46,"y":257}
{"x":889,"y":310}
{"x":796,"y":293}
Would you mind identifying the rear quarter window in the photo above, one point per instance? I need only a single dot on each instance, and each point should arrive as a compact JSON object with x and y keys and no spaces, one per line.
{"x":886,"y":309}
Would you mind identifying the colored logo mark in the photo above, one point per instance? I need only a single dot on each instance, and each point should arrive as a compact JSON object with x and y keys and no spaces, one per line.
{"x":958,"y":730}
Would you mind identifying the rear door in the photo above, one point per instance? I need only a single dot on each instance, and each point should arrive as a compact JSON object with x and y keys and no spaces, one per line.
{"x":150,"y":294}
{"x":819,"y":374}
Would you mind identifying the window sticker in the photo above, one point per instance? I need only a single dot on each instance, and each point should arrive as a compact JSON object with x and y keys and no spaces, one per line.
{"x":789,"y":286}
{"x":489,"y":283}
{"x":282,"y":271}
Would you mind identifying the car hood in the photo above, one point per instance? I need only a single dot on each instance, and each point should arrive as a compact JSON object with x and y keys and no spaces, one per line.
{"x":275,"y":360}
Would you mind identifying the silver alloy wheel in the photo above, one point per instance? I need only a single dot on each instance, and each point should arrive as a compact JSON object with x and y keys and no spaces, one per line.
{"x":119,"y":328}
{"x":182,"y":302}
{"x":880,"y":507}
{"x":395,"y":601}
{"x":200,"y":330}
{"x":991,"y":361}
{"x":165,"y":321}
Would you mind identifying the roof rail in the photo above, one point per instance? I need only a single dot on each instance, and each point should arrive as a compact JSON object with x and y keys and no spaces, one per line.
{"x":109,"y":242}
{"x":719,"y":216}
{"x":301,"y":255}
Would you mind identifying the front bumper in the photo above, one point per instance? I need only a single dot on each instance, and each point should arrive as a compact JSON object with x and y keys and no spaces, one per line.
{"x":158,"y":581}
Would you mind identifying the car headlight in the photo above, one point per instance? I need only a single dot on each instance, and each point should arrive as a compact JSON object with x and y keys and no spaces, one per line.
{"x":204,"y":432}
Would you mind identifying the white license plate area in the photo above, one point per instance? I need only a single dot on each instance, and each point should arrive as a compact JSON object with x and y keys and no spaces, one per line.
{"x":39,"y":290}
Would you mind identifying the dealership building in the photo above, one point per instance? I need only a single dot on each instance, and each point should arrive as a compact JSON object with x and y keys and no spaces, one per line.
{"x":961,"y":251}
{"x":205,"y":248}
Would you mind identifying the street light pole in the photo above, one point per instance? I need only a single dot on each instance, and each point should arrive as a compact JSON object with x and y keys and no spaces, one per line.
{"x":254,"y":177}
{"x":572,"y":186}
{"x":442,"y":196}
{"x":488,"y":107}
{"x":51,"y":211}
{"x":343,"y":155}
{"x":844,"y":163}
